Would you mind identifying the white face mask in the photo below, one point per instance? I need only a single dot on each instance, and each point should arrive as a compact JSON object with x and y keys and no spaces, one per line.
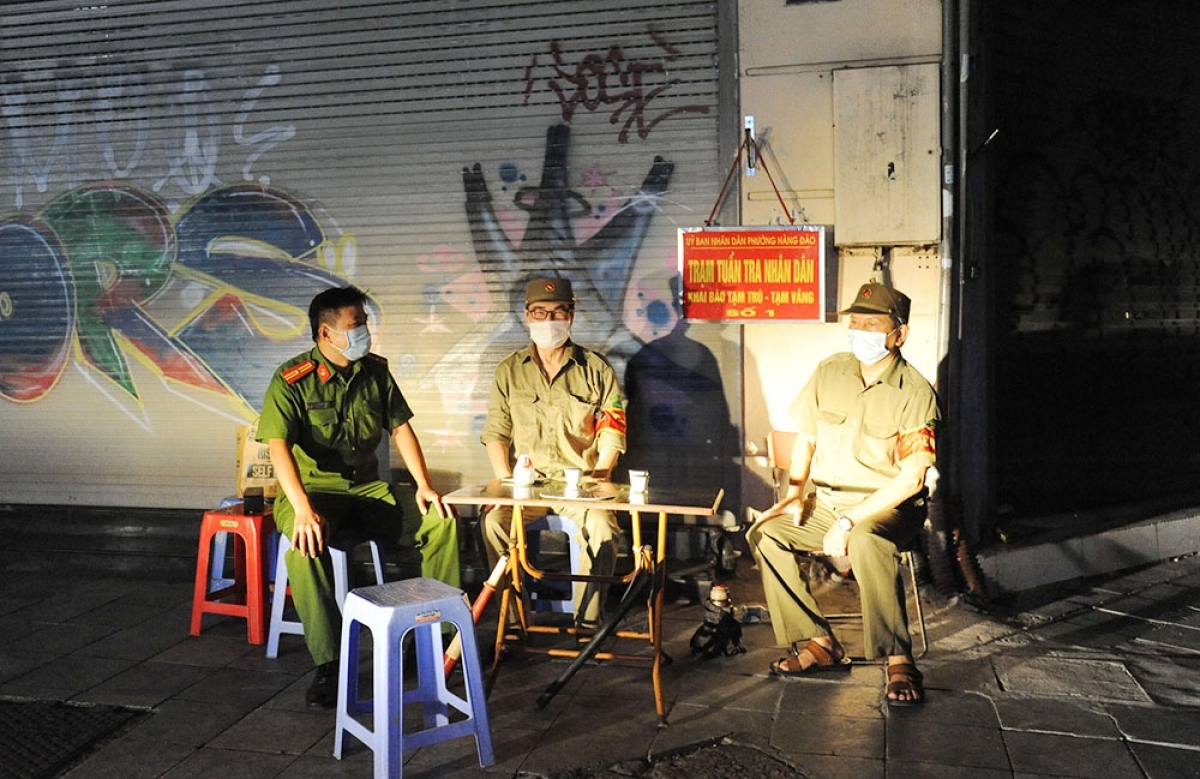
{"x":550,"y":334}
{"x":869,"y":347}
{"x":358,"y":342}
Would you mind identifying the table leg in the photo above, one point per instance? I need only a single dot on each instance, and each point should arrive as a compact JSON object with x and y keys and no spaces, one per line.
{"x":656,"y":603}
{"x":513,"y":588}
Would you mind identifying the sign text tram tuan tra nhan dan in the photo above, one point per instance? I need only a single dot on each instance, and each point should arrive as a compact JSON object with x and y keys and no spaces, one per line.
{"x":752,"y":273}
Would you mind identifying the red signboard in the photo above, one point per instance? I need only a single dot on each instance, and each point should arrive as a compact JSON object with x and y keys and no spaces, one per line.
{"x":753,"y":273}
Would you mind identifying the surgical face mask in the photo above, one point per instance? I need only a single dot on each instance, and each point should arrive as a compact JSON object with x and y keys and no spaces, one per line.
{"x":358,"y":342}
{"x":868,"y":346}
{"x":550,"y":334}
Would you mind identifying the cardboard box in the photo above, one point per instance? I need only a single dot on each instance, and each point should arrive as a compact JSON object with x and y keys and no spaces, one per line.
{"x":254,"y":463}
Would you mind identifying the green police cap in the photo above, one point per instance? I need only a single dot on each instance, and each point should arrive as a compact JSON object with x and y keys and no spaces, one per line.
{"x":549,"y":289}
{"x":878,"y":299}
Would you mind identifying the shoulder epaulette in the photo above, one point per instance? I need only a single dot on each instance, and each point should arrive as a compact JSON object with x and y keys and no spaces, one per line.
{"x":299,"y":371}
{"x":376,"y":358}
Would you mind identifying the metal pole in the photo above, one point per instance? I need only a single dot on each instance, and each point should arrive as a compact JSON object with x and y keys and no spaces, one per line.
{"x":631,"y":599}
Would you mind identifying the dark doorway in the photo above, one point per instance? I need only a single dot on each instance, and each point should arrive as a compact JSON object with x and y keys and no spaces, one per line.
{"x":1092,"y":221}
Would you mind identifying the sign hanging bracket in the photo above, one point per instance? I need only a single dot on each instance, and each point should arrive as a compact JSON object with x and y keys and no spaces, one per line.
{"x":754,"y":160}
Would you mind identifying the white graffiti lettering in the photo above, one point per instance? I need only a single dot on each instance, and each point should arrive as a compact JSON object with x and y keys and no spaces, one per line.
{"x":112,"y":117}
{"x":265,"y":140}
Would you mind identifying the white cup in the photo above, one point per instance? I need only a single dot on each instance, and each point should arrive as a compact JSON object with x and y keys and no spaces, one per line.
{"x":571,"y":476}
{"x":637,"y":481}
{"x":523,"y":471}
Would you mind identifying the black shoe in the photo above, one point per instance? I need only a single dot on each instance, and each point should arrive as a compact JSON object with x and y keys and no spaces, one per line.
{"x":323,"y":692}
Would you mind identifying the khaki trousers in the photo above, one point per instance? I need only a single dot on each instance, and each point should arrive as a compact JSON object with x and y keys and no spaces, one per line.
{"x":597,"y":539}
{"x":874,"y":557}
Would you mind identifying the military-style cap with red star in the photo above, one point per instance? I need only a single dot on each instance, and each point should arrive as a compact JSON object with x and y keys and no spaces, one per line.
{"x":549,"y":289}
{"x":877,"y":299}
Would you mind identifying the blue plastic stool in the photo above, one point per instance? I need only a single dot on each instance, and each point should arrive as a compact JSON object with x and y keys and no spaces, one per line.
{"x":341,"y":585}
{"x":542,"y":594}
{"x":390,"y":611}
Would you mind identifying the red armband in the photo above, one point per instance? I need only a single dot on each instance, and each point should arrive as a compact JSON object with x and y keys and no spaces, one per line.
{"x":612,"y":418}
{"x":923,"y":440}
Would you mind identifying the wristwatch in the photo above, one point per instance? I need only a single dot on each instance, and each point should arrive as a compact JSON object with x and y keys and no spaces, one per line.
{"x":845,"y":523}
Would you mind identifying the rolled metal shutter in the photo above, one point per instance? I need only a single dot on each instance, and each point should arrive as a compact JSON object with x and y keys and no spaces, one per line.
{"x":179,"y":179}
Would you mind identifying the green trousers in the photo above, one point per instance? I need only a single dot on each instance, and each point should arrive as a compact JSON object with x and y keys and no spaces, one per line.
{"x":375,"y":510}
{"x":795,"y":615}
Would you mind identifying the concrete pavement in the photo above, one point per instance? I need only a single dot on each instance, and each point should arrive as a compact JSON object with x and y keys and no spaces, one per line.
{"x":1095,"y":677}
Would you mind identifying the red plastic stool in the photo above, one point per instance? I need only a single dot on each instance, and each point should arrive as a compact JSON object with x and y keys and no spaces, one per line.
{"x":250,"y":532}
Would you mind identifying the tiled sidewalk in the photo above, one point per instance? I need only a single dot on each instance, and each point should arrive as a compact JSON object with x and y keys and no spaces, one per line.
{"x":1093,"y":678}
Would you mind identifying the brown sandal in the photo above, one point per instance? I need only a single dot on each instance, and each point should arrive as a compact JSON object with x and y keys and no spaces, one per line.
{"x":905,"y":678}
{"x":823,"y":660}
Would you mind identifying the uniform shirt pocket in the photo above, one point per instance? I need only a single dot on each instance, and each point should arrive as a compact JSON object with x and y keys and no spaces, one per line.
{"x":324,"y":424}
{"x":830,"y":417}
{"x":877,"y":449}
{"x":581,"y":416}
{"x":523,"y":409}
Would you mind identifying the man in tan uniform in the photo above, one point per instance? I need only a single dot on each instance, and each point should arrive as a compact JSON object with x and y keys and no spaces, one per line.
{"x":560,"y":404}
{"x":866,"y":422}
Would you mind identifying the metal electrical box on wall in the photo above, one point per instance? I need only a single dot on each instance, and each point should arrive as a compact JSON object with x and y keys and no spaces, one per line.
{"x":887,"y":155}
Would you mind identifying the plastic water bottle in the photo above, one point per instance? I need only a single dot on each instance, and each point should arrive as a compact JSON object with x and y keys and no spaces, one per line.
{"x":720,"y":634}
{"x":523,"y":472}
{"x":719,"y":603}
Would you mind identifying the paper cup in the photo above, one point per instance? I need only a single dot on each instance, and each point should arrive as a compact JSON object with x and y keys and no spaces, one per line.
{"x":638,"y":481}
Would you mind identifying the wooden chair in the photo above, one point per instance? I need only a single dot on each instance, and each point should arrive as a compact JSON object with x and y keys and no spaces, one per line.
{"x":779,"y":457}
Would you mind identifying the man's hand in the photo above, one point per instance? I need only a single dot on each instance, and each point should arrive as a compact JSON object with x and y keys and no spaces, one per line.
{"x":429,"y":496}
{"x":309,"y":527}
{"x":308,"y":533}
{"x":835,"y":542}
{"x":789,"y":506}
{"x":601,"y":488}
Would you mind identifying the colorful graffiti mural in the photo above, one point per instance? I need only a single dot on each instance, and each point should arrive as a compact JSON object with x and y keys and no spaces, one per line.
{"x":168,"y":210}
{"x":508,"y":252}
{"x":209,"y":296}
{"x":206,"y":298}
{"x":211,"y":292}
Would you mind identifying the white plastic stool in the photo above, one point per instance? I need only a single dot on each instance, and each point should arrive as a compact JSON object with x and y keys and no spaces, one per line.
{"x":341,"y":584}
{"x":541,"y":594}
{"x":390,"y":611}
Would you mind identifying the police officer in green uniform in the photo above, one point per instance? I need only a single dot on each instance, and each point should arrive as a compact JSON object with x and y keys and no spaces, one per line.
{"x":866,"y":425}
{"x":561,"y":404}
{"x":325,"y":413}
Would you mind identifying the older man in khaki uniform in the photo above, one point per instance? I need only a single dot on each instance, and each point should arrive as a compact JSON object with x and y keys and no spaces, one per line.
{"x":560,"y":404}
{"x":866,"y":422}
